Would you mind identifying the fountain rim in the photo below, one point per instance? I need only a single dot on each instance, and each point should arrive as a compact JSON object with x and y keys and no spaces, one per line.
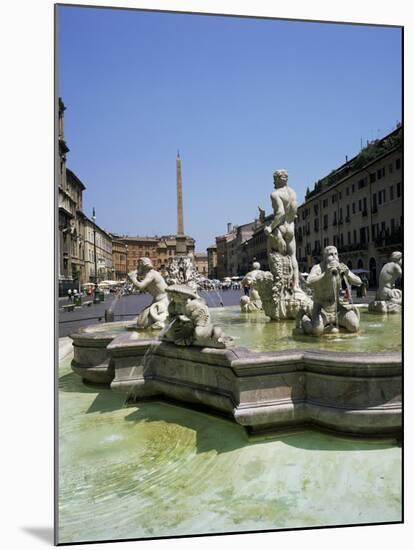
{"x":85,"y":336}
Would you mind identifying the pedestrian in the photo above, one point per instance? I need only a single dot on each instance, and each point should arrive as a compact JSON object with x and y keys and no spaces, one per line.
{"x":70,"y":294}
{"x":365,"y":285}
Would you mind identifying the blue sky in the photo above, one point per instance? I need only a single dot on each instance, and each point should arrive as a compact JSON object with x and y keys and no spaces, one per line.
{"x":239,"y":97}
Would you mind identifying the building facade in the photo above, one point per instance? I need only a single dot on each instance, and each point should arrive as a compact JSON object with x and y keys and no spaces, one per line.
{"x":119,"y":259}
{"x":358,"y":209}
{"x":232,"y":249}
{"x":201,"y":263}
{"x":159,"y":249}
{"x":212,"y":262}
{"x":96,"y":238}
{"x":71,"y":266}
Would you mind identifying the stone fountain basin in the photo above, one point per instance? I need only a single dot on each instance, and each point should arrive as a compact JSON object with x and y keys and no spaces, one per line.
{"x":356,"y":393}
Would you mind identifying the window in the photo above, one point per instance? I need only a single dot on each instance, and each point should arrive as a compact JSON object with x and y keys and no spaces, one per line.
{"x":372,"y":178}
{"x":315,"y":209}
{"x":355,"y":236}
{"x":390,"y":168}
{"x":325,"y":203}
{"x":347,"y":191}
{"x":348,"y":212}
{"x":325,"y":221}
{"x":359,"y":205}
{"x":353,"y":208}
{"x":391,"y":193}
{"x":349,"y":237}
{"x":398,"y":164}
{"x":399,"y":189}
{"x":353,"y":188}
{"x":333,"y":199}
{"x":379,"y":174}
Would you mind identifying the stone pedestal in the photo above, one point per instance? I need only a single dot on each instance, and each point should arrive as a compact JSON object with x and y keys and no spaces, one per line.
{"x":382,"y":306}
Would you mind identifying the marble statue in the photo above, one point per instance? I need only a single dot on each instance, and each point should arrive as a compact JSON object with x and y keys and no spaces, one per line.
{"x":181,"y":270}
{"x":279,"y":290}
{"x":388,"y":299}
{"x":328,"y":313}
{"x":189,"y":323}
{"x":253,"y":302}
{"x":281,"y":232}
{"x":147,"y":279}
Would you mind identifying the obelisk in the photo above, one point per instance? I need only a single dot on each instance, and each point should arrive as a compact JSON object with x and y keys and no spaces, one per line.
{"x":181,"y":246}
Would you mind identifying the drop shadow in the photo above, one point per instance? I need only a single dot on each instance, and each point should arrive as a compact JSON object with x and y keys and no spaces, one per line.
{"x":45,"y":534}
{"x":107,"y":401}
{"x":317,"y":438}
{"x":71,"y":382}
{"x":216,"y":431}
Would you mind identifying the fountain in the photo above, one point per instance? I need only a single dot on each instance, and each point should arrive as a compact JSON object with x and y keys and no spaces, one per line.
{"x":279,"y":289}
{"x":299,"y":368}
{"x":388,"y":299}
{"x":328,"y":314}
{"x":147,"y":279}
{"x":249,"y":304}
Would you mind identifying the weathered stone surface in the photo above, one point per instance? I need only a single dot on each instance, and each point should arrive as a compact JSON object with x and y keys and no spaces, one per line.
{"x":279,"y":290}
{"x":388,"y":299}
{"x":351,"y":393}
{"x":251,"y":303}
{"x":328,"y":313}
{"x":147,"y":279}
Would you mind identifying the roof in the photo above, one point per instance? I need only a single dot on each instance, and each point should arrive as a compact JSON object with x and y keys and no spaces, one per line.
{"x":74,"y":178}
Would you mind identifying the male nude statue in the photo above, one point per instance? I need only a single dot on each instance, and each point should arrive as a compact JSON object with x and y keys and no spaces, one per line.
{"x":147,"y":279}
{"x":325,"y":281}
{"x":281,"y":232}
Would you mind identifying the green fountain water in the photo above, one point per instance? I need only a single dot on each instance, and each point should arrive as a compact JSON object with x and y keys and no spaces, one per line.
{"x":156,"y":469}
{"x":256,"y":332}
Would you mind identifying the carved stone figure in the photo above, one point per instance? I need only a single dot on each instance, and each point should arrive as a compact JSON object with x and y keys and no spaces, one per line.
{"x":281,"y":232}
{"x":279,"y":290}
{"x":189,"y":323}
{"x":252,"y":302}
{"x":181,"y":270}
{"x":388,"y":299}
{"x":147,"y":279}
{"x":262,"y":215}
{"x":328,"y":313}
